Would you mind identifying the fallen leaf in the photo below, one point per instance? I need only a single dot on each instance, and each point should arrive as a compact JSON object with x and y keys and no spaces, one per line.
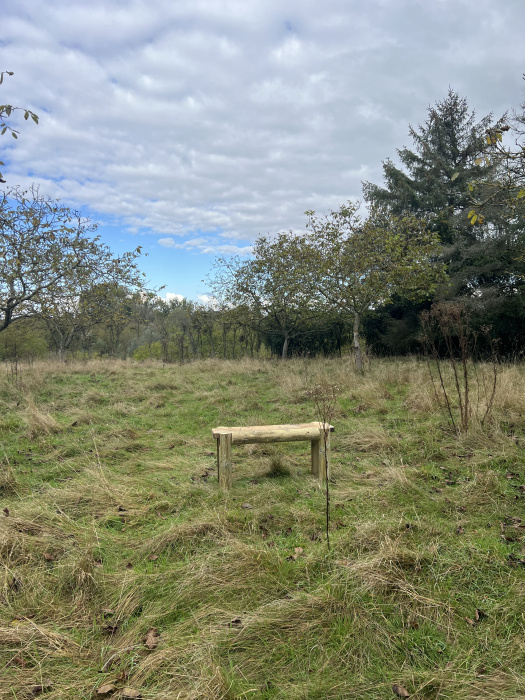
{"x":17,"y":661}
{"x":49,"y":557}
{"x":246,"y":505}
{"x":470,"y":622}
{"x":460,"y":530}
{"x":480,"y":615}
{"x":105,"y":689}
{"x":298,"y":550}
{"x":152,"y":638}
{"x":400,"y":691}
{"x":130,"y":693}
{"x":170,"y":447}
{"x":153,"y":557}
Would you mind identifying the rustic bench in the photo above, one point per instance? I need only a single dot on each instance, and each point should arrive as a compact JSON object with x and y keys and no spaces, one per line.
{"x":320,"y":444}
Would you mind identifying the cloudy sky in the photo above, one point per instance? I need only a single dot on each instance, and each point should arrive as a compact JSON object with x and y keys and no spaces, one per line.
{"x":189,"y":127}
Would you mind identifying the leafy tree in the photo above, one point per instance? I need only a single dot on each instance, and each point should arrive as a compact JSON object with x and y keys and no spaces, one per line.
{"x":6,"y":112}
{"x":507,"y":155}
{"x":433,"y":183}
{"x":268,"y":288}
{"x":451,"y":152}
{"x":49,"y":254}
{"x":354,"y":265}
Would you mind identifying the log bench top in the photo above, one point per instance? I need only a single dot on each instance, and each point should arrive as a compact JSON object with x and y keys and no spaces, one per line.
{"x":273,"y":433}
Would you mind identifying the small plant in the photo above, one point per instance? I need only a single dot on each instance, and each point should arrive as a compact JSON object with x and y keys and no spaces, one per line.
{"x":277,"y":467}
{"x":324,"y":397}
{"x":8,"y":482}
{"x":449,"y":340}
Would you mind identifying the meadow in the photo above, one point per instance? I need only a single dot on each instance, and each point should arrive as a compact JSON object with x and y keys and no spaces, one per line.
{"x":127,"y":572}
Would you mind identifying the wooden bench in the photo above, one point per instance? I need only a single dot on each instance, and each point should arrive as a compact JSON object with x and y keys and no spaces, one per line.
{"x":226,"y":437}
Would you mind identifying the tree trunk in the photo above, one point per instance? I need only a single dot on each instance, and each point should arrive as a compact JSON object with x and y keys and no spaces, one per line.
{"x":285,"y":347}
{"x":357,"y":344}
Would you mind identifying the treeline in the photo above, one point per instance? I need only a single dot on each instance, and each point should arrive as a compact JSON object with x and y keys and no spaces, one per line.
{"x":446,"y":226}
{"x":144,"y":326}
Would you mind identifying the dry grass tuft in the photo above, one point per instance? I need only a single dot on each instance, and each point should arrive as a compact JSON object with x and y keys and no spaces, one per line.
{"x":187,"y":537}
{"x":39,"y":422}
{"x":374,"y":439}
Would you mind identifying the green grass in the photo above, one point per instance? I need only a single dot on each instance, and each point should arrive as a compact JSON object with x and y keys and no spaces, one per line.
{"x":114,"y":524}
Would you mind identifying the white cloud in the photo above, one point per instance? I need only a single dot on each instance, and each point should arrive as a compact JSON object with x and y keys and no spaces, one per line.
{"x":169,"y":296}
{"x":207,"y":300}
{"x":207,"y":124}
{"x":206,"y":245}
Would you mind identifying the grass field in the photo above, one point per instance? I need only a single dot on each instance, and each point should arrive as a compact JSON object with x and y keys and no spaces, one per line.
{"x":126,"y":572}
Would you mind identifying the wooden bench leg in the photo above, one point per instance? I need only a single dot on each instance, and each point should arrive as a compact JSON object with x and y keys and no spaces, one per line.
{"x":224,"y":460}
{"x":316,"y":457}
{"x":324,"y":457}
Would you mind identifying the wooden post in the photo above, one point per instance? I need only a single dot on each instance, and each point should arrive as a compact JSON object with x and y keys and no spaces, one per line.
{"x":324,"y":450}
{"x":224,"y":460}
{"x":315,"y":455}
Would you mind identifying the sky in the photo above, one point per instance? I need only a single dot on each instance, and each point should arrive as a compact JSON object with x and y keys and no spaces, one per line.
{"x":190,"y":128}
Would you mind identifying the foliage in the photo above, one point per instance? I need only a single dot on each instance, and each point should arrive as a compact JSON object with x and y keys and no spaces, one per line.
{"x":433,"y":183}
{"x":506,"y":191}
{"x":50,"y":257}
{"x":268,"y":290}
{"x":484,"y":255}
{"x":447,"y":331}
{"x":354,"y":265}
{"x":5,"y":113}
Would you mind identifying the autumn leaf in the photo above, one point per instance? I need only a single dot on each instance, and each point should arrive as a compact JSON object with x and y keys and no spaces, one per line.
{"x":152,"y":638}
{"x":130,"y":693}
{"x":105,"y":689}
{"x":49,"y":557}
{"x":247,"y":505}
{"x":17,"y":661}
{"x":400,"y":691}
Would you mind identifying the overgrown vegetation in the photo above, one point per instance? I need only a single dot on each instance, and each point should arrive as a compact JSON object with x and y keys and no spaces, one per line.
{"x":124,"y":565}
